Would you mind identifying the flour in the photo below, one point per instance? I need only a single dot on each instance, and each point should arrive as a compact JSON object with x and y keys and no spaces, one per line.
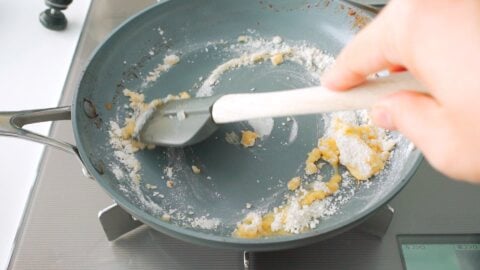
{"x":277,"y":40}
{"x":168,"y":62}
{"x":254,"y":222}
{"x":160,"y":31}
{"x":124,"y":152}
{"x":363,"y":148}
{"x":168,"y":172}
{"x":206,"y":89}
{"x":205,"y":223}
{"x":117,"y":171}
{"x":252,"y":51}
{"x":354,"y":153}
{"x":297,"y":218}
{"x":319,"y":185}
{"x":121,"y":138}
{"x":232,"y":138}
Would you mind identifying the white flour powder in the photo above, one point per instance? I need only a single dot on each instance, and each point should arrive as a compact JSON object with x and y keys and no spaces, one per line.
{"x":168,"y":62}
{"x":255,"y":50}
{"x":125,"y":154}
{"x":205,"y":223}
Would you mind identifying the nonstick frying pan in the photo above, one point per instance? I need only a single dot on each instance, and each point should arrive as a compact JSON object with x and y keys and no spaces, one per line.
{"x":231,"y":175}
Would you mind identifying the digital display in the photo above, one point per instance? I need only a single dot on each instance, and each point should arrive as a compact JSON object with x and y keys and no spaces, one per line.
{"x":440,"y":252}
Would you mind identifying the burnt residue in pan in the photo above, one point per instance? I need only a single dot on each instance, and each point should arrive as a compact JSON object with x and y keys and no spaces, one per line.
{"x":134,"y":71}
{"x":98,"y":122}
{"x":108,"y":106}
{"x":99,"y":166}
{"x":91,"y":112}
{"x":271,"y":5}
{"x":359,"y":20}
{"x":89,"y":108}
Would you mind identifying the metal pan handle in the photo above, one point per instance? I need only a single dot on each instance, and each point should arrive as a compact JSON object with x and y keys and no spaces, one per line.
{"x":11,"y":124}
{"x":115,"y":221}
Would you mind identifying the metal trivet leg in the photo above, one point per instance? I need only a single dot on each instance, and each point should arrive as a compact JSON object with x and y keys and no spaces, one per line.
{"x":117,"y":222}
{"x":246,"y":260}
{"x":377,"y":225}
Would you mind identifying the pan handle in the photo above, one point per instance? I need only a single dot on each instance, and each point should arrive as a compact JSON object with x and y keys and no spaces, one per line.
{"x":11,"y":124}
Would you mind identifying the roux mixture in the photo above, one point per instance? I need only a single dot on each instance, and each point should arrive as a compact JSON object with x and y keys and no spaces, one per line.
{"x":362,"y":149}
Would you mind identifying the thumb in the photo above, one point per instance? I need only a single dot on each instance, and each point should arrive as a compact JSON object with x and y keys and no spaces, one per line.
{"x":415,"y":115}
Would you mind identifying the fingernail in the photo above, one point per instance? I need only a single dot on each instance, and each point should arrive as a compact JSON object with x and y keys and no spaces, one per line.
{"x":382,"y":117}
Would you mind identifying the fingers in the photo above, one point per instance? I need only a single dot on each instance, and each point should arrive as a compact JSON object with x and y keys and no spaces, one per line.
{"x":419,"y":117}
{"x":422,"y":120}
{"x":406,"y":111}
{"x":365,"y":55}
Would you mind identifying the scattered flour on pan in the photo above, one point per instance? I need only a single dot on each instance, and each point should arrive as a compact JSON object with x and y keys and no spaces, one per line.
{"x":168,"y":172}
{"x":232,"y":138}
{"x":297,"y":218}
{"x":121,"y":138}
{"x":245,"y":60}
{"x":123,"y":142}
{"x":205,"y":223}
{"x":363,"y":148}
{"x":277,"y":40}
{"x":256,"y":50}
{"x":125,"y":154}
{"x":117,"y":171}
{"x":168,"y":62}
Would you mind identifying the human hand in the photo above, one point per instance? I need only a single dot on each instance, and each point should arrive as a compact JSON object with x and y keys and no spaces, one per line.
{"x":438,"y":41}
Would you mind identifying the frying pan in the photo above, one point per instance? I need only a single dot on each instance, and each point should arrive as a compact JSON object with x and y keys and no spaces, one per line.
{"x":231,"y":175}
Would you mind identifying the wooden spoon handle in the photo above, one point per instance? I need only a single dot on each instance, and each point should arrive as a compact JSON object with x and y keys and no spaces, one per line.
{"x":313,"y":100}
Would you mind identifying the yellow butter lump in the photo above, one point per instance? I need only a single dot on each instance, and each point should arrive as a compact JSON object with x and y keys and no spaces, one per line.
{"x":294,"y":183}
{"x":277,"y":59}
{"x":248,"y":138}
